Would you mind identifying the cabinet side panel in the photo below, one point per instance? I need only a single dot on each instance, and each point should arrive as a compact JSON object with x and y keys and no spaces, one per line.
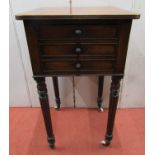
{"x":123,"y":45}
{"x":31,"y":35}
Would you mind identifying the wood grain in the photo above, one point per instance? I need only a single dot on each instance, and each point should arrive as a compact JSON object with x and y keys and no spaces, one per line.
{"x":106,"y":12}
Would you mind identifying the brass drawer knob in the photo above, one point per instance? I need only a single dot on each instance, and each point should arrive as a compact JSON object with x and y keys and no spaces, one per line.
{"x":78,"y":50}
{"x":78,"y":65}
{"x":78,"y":32}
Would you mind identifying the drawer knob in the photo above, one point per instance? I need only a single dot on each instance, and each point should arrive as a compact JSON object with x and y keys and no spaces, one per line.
{"x":78,"y":32}
{"x":78,"y":50}
{"x":77,"y":65}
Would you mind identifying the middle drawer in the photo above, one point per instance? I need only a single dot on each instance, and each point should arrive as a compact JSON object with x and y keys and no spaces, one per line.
{"x":73,"y":49}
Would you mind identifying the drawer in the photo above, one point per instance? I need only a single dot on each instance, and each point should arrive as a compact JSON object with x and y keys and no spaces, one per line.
{"x":74,"y":65}
{"x":66,"y":49}
{"x":73,"y":31}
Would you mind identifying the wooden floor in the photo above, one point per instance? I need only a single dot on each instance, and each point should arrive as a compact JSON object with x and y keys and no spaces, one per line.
{"x":77,"y":132}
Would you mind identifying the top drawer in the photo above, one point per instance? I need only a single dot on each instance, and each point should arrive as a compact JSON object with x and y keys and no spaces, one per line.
{"x":75,"y":31}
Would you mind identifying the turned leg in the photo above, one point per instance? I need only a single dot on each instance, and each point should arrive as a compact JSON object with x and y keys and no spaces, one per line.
{"x":43,"y":97}
{"x":114,"y":95}
{"x":100,"y":92}
{"x":56,"y":91}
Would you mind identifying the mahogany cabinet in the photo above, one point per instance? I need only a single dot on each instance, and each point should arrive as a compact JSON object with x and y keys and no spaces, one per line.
{"x":78,"y":41}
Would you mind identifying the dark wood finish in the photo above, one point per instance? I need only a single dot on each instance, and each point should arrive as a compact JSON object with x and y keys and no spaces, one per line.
{"x":114,"y":95}
{"x":70,"y":65}
{"x":76,"y":31}
{"x":43,"y":97}
{"x":33,"y":46}
{"x":56,"y":91}
{"x":100,"y":91}
{"x":72,"y":49}
{"x":78,"y":41}
{"x":111,"y":61}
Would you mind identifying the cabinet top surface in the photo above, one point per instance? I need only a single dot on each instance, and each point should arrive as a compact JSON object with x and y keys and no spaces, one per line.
{"x":107,"y":12}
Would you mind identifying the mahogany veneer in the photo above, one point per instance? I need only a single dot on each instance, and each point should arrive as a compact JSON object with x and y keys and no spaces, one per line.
{"x":78,"y":41}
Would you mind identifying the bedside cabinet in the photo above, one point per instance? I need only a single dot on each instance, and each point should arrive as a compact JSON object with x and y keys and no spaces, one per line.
{"x":78,"y":41}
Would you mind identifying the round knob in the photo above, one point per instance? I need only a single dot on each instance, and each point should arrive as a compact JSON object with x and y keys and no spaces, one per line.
{"x":78,"y":50}
{"x":78,"y":32}
{"x":77,"y":65}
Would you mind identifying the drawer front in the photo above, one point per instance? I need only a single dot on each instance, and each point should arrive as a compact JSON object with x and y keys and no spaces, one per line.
{"x":73,"y":31}
{"x":77,"y":49}
{"x":54,"y":66}
{"x":96,"y":37}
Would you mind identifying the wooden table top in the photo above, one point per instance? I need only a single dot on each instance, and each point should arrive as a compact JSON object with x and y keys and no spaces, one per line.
{"x":107,"y":12}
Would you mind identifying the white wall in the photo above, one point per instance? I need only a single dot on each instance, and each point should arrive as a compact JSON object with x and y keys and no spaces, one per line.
{"x":132,"y":89}
{"x":18,"y":86}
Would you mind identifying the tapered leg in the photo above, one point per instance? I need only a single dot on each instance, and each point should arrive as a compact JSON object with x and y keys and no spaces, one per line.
{"x":56,"y":91}
{"x":100,"y":92}
{"x":114,"y":95}
{"x":43,"y":97}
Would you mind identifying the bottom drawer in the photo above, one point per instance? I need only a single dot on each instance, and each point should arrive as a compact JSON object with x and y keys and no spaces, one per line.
{"x":74,"y":66}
